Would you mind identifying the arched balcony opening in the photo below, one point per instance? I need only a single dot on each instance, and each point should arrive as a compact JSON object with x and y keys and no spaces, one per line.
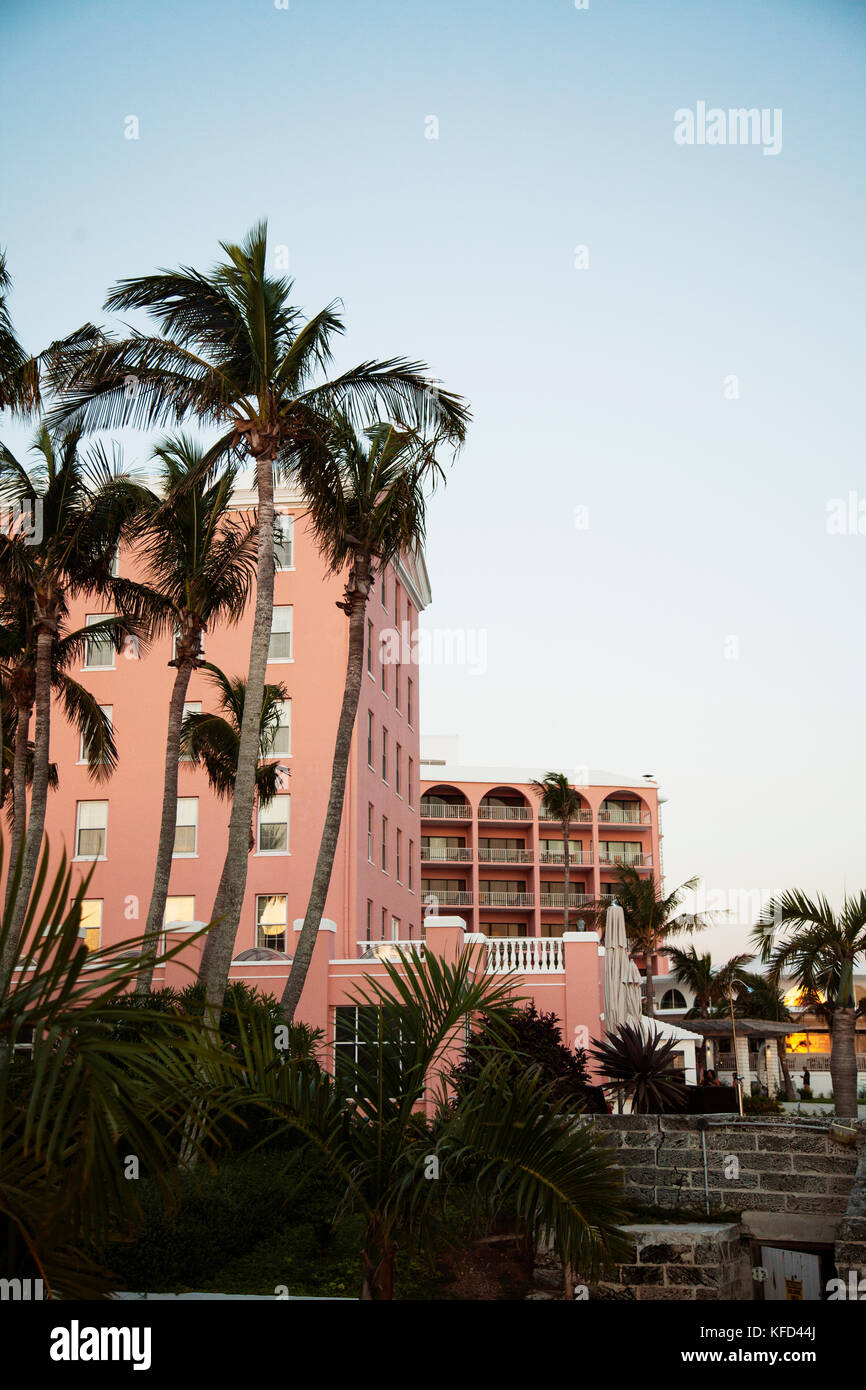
{"x":445,"y":803}
{"x":504,"y":804}
{"x":624,"y":808}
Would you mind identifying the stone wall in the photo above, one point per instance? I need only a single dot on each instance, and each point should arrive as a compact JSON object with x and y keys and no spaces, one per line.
{"x":850,"y":1249}
{"x":693,"y":1261}
{"x":773,"y":1164}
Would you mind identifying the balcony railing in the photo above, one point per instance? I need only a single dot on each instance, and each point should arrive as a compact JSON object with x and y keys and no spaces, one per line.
{"x":445,"y":854}
{"x":575,"y":856}
{"x":558,"y":899}
{"x":637,"y":861}
{"x":525,"y":955}
{"x":504,"y":813}
{"x":447,"y":897}
{"x":445,"y":810}
{"x":617,"y":815}
{"x":506,"y":899}
{"x":582,"y":815}
{"x":505,"y":856}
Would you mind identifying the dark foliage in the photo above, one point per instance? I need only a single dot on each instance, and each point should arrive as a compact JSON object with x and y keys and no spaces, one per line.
{"x":534,"y":1039}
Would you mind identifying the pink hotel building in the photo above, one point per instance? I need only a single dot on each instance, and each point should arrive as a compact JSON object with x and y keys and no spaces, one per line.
{"x":427,"y":853}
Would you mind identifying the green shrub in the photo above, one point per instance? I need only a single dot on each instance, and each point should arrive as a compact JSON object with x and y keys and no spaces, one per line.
{"x":761,"y":1105}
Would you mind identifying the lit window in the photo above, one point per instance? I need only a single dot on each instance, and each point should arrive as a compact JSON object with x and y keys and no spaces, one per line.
{"x":280,"y":648}
{"x":274,"y":826}
{"x":108,"y":711}
{"x":91,"y":922}
{"x":178,"y":910}
{"x":271,"y":921}
{"x":100,"y":650}
{"x":186,"y":825}
{"x":91,"y":829}
{"x":284,"y":541}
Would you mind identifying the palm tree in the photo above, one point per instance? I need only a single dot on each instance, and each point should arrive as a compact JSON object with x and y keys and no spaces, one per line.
{"x":756,"y":997}
{"x":76,"y":1095}
{"x":365,"y":509}
{"x":805,"y":939}
{"x":201,"y":561}
{"x":87,"y":502}
{"x":508,"y":1140}
{"x":212,"y":739}
{"x":19,"y":375}
{"x":710,"y":985}
{"x":233,"y":351}
{"x":560,"y":802}
{"x":650,"y":919}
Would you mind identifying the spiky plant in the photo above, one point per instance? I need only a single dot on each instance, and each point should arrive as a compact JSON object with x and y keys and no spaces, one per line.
{"x":639,"y":1065}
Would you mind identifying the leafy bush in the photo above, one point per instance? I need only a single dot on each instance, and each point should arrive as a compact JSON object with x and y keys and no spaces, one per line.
{"x":534,"y":1039}
{"x":761,"y":1105}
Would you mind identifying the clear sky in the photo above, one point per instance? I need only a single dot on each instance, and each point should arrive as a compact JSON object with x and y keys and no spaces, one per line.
{"x":638,"y":545}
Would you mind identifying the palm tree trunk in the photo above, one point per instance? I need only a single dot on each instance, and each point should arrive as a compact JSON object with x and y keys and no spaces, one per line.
{"x":357,"y":594}
{"x":567,"y":867}
{"x":19,"y":793}
{"x":377,"y":1261}
{"x":843,"y":1063}
{"x":650,"y":1003}
{"x":165,"y":848}
{"x":207,"y":949}
{"x":234,"y":880}
{"x":39,"y":785}
{"x":790,"y":1093}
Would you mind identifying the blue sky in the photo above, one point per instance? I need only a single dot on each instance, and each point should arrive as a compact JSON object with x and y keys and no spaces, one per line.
{"x":600,"y":388}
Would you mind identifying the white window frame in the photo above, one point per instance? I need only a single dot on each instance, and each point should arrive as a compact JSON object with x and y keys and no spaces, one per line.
{"x":90,"y":619}
{"x":98,"y":928}
{"x":282,"y":631}
{"x":263,"y":944}
{"x":185,"y":824}
{"x":284,"y":521}
{"x":264,"y":817}
{"x":108,"y":711}
{"x":284,"y":724}
{"x":90,"y":858}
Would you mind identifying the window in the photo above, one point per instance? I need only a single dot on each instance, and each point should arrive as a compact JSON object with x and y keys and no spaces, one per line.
{"x":395,"y":928}
{"x":384,"y":587}
{"x":399,"y":852}
{"x":108,"y":711}
{"x":91,"y":829}
{"x":410,"y":704}
{"x":200,"y":651}
{"x":357,"y":1030}
{"x":100,"y":650}
{"x":385,"y":843}
{"x":410,"y":778}
{"x":114,"y":567}
{"x":411,"y":858}
{"x":369,"y":647}
{"x":280,"y":648}
{"x":178,"y":910}
{"x":384,"y":754}
{"x":370,"y":832}
{"x":369,"y":918}
{"x":191,"y":707}
{"x":271,"y":921}
{"x":672,"y":999}
{"x":91,"y":922}
{"x":383,"y":657}
{"x":283,"y":737}
{"x":396,"y":602}
{"x":397,"y":669}
{"x":369,"y":738}
{"x":186,"y":825}
{"x":274,"y":826}
{"x":384,"y":920}
{"x":398,"y":758}
{"x":284,"y":541}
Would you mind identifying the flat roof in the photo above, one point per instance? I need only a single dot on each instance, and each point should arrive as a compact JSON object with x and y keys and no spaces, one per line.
{"x":508,"y":776}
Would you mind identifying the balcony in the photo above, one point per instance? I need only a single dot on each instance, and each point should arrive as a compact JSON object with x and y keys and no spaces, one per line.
{"x":447,"y":897}
{"x":445,"y":810}
{"x":558,"y":900}
{"x":636,"y":861}
{"x":445,"y":854}
{"x":618,"y":815}
{"x":506,"y":899}
{"x":579,"y":817}
{"x":505,"y":856}
{"x":575,"y":856}
{"x":504,"y":813}
{"x":525,"y":955}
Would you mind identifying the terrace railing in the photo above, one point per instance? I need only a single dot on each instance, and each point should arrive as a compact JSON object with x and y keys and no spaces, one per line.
{"x":488,"y":899}
{"x":445,"y":810}
{"x":525,"y":955}
{"x":505,"y":856}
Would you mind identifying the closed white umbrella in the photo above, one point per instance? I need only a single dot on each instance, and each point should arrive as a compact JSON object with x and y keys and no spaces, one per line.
{"x":617,"y":1008}
{"x":633,"y":984}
